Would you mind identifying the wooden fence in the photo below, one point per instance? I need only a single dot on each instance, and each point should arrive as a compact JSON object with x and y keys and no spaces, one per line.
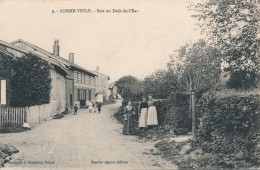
{"x":16,"y":116}
{"x":12,"y":116}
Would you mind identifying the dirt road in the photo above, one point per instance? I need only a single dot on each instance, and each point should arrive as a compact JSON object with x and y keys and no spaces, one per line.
{"x":84,"y":141}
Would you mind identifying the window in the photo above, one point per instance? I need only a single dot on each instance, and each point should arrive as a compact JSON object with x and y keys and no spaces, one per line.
{"x":84,"y":94}
{"x":87,"y":79}
{"x":78,"y":78}
{"x":89,"y":94}
{"x":78,"y":94}
{"x":71,"y":100}
{"x":81,"y":94}
{"x":75,"y":76}
{"x":92,"y":81}
{"x":81,"y":78}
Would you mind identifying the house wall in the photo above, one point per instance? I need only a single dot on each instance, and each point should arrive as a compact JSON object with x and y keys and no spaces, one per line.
{"x":58,"y":96}
{"x":102,"y":85}
{"x":113,"y":91}
{"x":69,"y":90}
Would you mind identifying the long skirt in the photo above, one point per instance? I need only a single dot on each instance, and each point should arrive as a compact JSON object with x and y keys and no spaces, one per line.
{"x":143,"y":118}
{"x":128,"y":128}
{"x":152,"y":116}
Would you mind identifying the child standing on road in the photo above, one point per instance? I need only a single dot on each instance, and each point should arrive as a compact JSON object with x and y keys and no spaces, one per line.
{"x":75,"y":109}
{"x":90,"y":107}
{"x":99,"y":107}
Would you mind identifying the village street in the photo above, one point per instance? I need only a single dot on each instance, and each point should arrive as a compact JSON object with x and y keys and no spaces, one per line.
{"x":86,"y":140}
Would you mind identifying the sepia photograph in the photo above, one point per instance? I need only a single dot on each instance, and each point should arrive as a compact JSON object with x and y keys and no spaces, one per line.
{"x":132,"y":84}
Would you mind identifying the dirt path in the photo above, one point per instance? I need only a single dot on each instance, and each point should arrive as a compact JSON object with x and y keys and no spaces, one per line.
{"x":85,"y":141}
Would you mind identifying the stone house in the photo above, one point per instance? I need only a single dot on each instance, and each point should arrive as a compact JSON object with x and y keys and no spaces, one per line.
{"x":113,"y":90}
{"x":102,"y":81}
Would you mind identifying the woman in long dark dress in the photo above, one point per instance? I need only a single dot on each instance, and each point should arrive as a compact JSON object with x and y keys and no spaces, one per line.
{"x":128,"y":128}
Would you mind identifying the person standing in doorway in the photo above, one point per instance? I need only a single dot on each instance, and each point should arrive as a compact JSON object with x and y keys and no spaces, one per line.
{"x":75,"y":109}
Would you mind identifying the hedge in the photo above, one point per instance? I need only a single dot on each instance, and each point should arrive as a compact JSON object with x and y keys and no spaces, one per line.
{"x":178,"y":114}
{"x":229,"y":129}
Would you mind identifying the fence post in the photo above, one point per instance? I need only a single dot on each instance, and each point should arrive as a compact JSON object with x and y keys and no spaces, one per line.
{"x":193,"y":110}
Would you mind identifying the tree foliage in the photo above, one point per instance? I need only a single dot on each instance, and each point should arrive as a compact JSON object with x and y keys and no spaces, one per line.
{"x":130,"y":88}
{"x":232,"y":26}
{"x":161,"y":83}
{"x":31,"y":83}
{"x":199,"y":66}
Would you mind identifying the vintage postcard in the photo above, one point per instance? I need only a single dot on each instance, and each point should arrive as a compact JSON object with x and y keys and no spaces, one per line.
{"x":133,"y":84}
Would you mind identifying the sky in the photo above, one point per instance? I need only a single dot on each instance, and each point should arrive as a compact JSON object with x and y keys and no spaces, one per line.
{"x":120,"y":44}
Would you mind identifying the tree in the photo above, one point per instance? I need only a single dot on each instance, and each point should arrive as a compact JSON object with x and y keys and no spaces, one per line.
{"x":199,"y":67}
{"x":161,"y":83}
{"x":31,"y":83}
{"x":232,"y":26}
{"x":130,"y":88}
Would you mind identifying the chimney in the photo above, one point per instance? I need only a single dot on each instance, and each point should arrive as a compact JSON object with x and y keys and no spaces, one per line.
{"x":71,"y":57}
{"x":56,"y":48}
{"x":97,"y":69}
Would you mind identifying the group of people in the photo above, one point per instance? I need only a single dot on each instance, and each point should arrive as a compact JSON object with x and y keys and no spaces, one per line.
{"x":91,"y":106}
{"x":147,"y":115}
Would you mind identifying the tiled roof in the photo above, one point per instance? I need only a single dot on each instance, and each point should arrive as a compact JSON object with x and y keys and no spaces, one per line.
{"x":82,"y":69}
{"x":111,"y":85}
{"x":56,"y":58}
{"x":10,"y":45}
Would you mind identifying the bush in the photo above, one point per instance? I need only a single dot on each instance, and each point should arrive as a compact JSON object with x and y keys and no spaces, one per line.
{"x":229,"y":129}
{"x":178,"y":115}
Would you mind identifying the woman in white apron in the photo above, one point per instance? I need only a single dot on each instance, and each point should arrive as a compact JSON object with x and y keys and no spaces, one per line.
{"x":152,"y":119}
{"x":142,"y":109}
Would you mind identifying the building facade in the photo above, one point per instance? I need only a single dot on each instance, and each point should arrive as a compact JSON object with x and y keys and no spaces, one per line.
{"x":102,"y":82}
{"x":84,"y":82}
{"x":113,"y":90}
